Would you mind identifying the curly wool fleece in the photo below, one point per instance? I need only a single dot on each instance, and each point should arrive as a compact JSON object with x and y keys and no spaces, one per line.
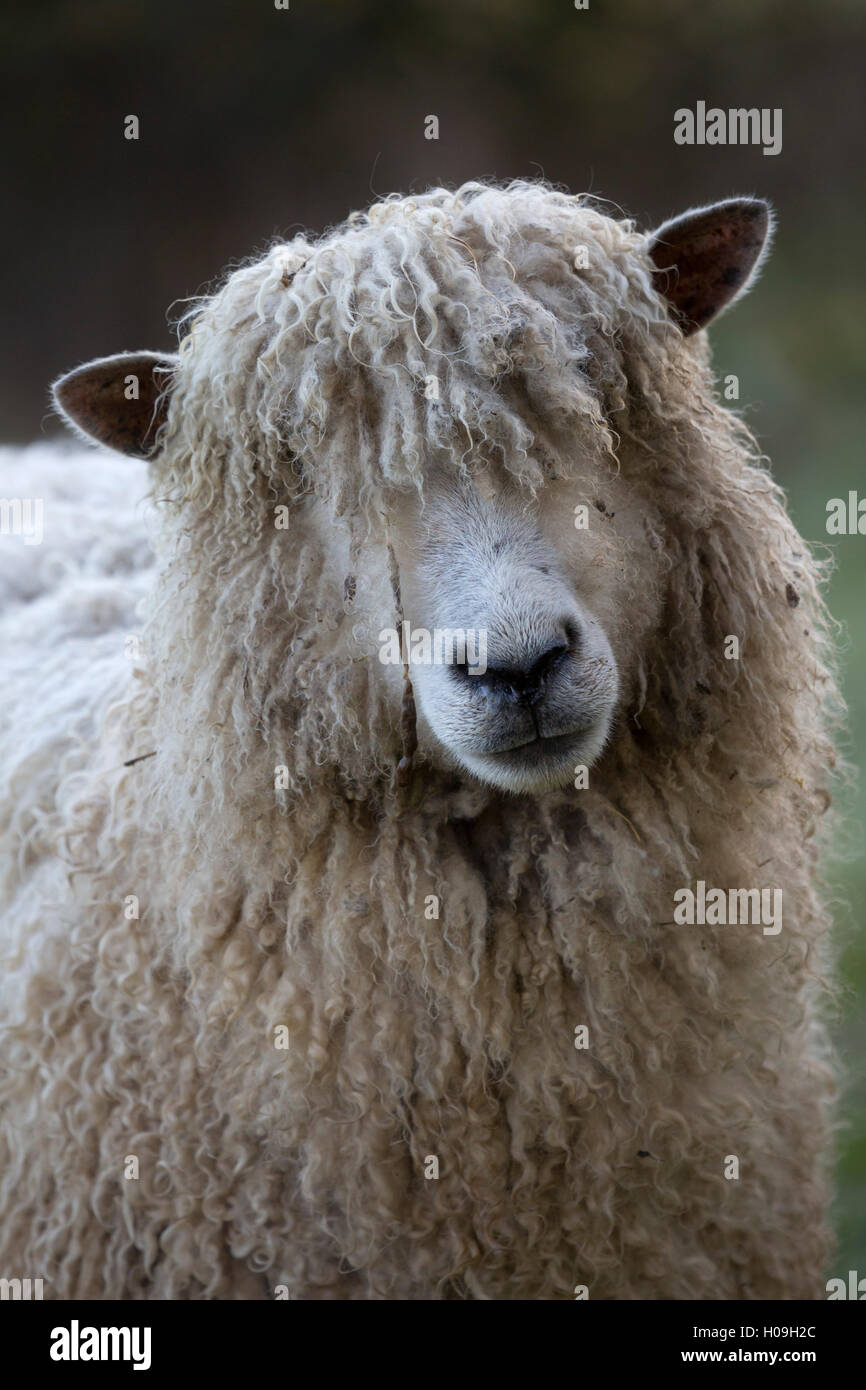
{"x":284,"y":1037}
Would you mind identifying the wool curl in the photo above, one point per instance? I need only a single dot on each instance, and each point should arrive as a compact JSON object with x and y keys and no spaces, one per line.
{"x":305,"y":382}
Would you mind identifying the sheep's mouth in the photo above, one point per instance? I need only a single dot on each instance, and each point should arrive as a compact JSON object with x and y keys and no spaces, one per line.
{"x":540,"y":744}
{"x":539,"y":763}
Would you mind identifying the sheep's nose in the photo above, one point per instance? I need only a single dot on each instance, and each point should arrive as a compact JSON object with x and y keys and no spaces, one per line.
{"x":521,"y":678}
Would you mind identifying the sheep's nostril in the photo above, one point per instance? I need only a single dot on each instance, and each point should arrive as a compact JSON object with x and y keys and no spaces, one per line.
{"x":518,"y":684}
{"x":532,"y":687}
{"x":542,"y":668}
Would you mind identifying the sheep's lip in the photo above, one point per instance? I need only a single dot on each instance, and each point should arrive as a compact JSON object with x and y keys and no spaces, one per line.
{"x":539,"y":745}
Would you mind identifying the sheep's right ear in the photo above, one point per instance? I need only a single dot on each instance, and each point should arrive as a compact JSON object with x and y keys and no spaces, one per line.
{"x":708,"y":257}
{"x":120,"y":401}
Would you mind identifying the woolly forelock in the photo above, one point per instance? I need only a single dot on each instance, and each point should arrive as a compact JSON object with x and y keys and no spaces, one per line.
{"x":452,"y":1036}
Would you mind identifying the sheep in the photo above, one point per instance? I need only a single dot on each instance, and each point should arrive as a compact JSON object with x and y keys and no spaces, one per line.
{"x":337,"y":976}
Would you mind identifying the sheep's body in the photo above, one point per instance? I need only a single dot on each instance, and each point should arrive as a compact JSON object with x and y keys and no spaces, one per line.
{"x":409,"y":1035}
{"x":67,"y":606}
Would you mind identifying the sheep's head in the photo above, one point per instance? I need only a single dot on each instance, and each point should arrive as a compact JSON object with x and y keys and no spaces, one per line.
{"x":512,"y":623}
{"x":470,"y":401}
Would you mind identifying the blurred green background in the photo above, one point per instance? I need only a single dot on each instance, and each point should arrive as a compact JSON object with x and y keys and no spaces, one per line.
{"x":256,"y":121}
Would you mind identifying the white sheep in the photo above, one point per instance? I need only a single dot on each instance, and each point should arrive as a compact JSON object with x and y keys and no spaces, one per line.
{"x":333,"y":978}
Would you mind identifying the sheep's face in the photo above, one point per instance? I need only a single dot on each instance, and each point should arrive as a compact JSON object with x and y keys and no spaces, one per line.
{"x":521,"y":621}
{"x":514,"y":324}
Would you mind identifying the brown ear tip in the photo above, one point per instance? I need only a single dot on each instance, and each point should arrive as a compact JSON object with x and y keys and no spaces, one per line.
{"x":63,"y":389}
{"x":66,"y":392}
{"x":758,"y":208}
{"x":758,"y":212}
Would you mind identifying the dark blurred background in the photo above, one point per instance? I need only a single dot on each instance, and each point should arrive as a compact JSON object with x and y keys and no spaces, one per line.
{"x":256,"y":121}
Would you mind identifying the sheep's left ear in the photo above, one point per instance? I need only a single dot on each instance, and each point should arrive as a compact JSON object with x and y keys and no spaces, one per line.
{"x":708,"y":257}
{"x":120,"y":401}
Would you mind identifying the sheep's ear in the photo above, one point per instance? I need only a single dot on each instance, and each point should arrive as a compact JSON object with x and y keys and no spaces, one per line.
{"x":120,"y":401}
{"x":708,"y":257}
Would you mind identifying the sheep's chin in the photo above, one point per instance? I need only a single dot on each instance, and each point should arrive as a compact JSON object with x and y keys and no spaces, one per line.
{"x":541,"y":766}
